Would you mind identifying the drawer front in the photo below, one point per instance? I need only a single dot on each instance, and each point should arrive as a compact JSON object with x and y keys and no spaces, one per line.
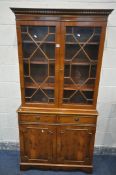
{"x":37,"y":118}
{"x":76,"y":119}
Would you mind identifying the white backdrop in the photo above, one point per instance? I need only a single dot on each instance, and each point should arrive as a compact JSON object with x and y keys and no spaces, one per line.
{"x":9,"y":71}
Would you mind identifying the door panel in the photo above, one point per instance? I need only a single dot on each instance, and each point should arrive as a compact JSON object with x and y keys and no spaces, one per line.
{"x":80,"y":58}
{"x":75,"y":144}
{"x":39,"y":62}
{"x":80,"y":63}
{"x":38,"y":143}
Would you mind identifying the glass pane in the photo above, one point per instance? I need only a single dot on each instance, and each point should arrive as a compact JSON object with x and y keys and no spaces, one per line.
{"x":80,"y":64}
{"x":38,"y":47}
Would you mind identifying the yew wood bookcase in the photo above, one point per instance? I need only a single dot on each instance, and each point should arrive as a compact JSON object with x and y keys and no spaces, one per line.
{"x":60,"y":55}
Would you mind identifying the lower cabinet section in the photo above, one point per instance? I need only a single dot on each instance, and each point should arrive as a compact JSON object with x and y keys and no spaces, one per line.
{"x":56,"y":144}
{"x":75,"y":144}
{"x":38,"y":143}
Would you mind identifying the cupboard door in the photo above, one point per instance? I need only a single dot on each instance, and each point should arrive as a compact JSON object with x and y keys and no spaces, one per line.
{"x":38,"y":55}
{"x":75,"y":144}
{"x":80,"y":57}
{"x":37,"y":143}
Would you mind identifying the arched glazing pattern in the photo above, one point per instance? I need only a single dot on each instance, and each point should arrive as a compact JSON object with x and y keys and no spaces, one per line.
{"x":80,"y":64}
{"x":38,"y":47}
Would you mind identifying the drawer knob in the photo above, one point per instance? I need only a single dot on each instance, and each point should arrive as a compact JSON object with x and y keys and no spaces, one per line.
{"x":76,"y":119}
{"x":37,"y":118}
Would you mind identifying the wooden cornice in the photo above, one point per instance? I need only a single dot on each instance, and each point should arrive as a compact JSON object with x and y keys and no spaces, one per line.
{"x":38,"y":11}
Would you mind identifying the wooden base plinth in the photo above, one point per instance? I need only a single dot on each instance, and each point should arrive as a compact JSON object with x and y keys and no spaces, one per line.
{"x":27,"y":166}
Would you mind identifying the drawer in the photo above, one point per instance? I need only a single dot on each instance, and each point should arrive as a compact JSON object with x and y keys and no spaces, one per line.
{"x":37,"y":118}
{"x":76,"y":119}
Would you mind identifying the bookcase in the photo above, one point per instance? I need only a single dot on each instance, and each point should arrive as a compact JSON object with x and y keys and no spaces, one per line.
{"x":60,"y":56}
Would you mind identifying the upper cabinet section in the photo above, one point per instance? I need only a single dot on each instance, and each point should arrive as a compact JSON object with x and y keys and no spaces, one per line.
{"x":60,"y":56}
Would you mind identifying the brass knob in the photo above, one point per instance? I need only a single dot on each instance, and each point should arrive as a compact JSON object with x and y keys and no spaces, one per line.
{"x":37,"y":117}
{"x":77,"y":119}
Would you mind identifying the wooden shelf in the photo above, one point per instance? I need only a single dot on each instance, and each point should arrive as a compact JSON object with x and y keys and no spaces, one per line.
{"x":45,"y":86}
{"x":83,"y":88}
{"x":95,"y":34}
{"x":90,"y":43}
{"x":39,"y":42}
{"x":80,"y":63}
{"x":53,"y":42}
{"x":66,"y":87}
{"x":66,"y":62}
{"x":84,"y":103}
{"x":38,"y":62}
{"x":36,"y":102}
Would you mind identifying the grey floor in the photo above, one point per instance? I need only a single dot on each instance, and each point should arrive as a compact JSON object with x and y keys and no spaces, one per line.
{"x":9,"y":165}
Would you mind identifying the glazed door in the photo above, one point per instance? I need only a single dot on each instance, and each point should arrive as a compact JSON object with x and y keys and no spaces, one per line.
{"x":38,"y":55}
{"x":80,"y":63}
{"x":37,"y":143}
{"x":60,"y":63}
{"x":75,"y":144}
